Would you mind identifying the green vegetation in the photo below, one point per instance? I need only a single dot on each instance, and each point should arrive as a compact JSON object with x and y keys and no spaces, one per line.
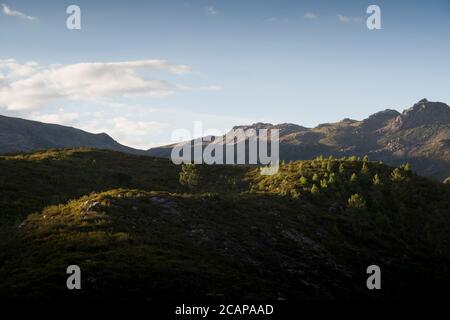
{"x":144,"y":228}
{"x":189,"y":176}
{"x":356,"y":201}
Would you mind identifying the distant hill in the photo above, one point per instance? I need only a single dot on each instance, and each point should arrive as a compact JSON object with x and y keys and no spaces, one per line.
{"x":419,"y":135}
{"x":19,"y":135}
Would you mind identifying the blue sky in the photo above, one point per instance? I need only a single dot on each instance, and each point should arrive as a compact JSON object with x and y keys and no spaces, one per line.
{"x":225,"y":63}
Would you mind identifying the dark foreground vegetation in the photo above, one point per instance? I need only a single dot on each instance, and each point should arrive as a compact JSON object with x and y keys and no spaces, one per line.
{"x":143,"y":228}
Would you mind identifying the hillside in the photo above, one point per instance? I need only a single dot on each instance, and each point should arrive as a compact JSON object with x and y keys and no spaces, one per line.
{"x":19,"y":135}
{"x":419,"y":135}
{"x":309,"y":231}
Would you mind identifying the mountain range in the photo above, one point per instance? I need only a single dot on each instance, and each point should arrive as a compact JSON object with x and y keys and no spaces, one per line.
{"x":419,"y":135}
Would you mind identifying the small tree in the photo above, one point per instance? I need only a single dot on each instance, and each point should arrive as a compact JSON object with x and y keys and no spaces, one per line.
{"x":331,"y":180}
{"x":314,"y":189}
{"x":356,"y":202}
{"x":303,"y":181}
{"x":354,"y":178}
{"x":330,"y":166}
{"x":189,"y":176}
{"x":397,"y":175}
{"x":406,"y":167}
{"x":376,"y":180}
{"x":341,"y":168}
{"x":315,"y":177}
{"x":365,"y":168}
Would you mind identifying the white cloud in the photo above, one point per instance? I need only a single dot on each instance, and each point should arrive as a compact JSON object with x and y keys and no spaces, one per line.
{"x":18,"y":70}
{"x":346,"y":19}
{"x":310,"y":15}
{"x":211,"y":11}
{"x":62,"y":117}
{"x":206,"y":88}
{"x":13,"y":13}
{"x":27,"y":86}
{"x":138,"y":134}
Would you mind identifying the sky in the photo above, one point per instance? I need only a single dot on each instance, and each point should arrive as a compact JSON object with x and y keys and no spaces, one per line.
{"x":139,"y":70}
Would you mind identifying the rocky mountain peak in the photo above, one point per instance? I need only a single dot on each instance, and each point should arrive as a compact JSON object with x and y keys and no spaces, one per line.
{"x":422,"y":113}
{"x":380,"y":119}
{"x":284,"y":128}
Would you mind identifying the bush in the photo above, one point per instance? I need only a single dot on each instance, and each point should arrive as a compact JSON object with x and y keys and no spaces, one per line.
{"x":356,"y":202}
{"x":189,"y":176}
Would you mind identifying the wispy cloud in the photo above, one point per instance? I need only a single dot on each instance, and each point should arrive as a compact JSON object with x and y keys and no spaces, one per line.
{"x":132,"y":132}
{"x":60,"y":117}
{"x":346,"y":19}
{"x":205,"y":88}
{"x":271,"y":19}
{"x":211,"y":11}
{"x":310,"y":15}
{"x":29,"y":86}
{"x":7,"y":11}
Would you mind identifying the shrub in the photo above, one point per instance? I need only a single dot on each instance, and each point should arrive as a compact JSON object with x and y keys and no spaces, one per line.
{"x":315,"y":177}
{"x":397,"y":175}
{"x":365,"y":168}
{"x":356,"y":202}
{"x":303,"y":181}
{"x":376,"y":180}
{"x":189,"y":176}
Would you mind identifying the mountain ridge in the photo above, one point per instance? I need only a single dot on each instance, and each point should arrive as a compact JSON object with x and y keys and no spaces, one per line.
{"x":419,"y":135}
{"x":21,"y":135}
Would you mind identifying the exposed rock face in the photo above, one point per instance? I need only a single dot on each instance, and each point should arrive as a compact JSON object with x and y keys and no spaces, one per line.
{"x":420,"y":135}
{"x":19,"y":135}
{"x":423,"y":113}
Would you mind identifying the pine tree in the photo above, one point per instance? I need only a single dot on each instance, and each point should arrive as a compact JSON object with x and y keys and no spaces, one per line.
{"x":341,"y":168}
{"x":365,"y":168}
{"x":303,"y":181}
{"x":356,"y":201}
{"x":376,"y":180}
{"x":314,"y":189}
{"x":354,"y":177}
{"x":397,"y":175}
{"x":330,"y":166}
{"x":189,"y":176}
{"x":331,"y":180}
{"x":315,"y":177}
{"x":406,"y":167}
